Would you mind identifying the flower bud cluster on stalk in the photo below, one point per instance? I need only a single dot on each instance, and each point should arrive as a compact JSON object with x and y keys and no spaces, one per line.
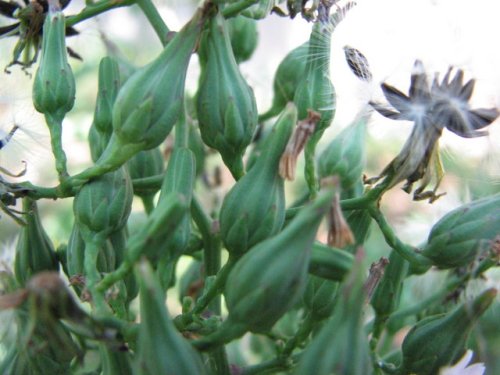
{"x":276,"y":271}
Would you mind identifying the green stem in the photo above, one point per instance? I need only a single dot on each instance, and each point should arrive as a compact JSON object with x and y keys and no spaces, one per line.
{"x":371,"y":196}
{"x":234,"y":9}
{"x":428,"y":302}
{"x":300,"y":336}
{"x":27,"y":189}
{"x":212,"y":259}
{"x":310,"y":164}
{"x":154,"y":19}
{"x":115,"y":276}
{"x":406,"y":251}
{"x":95,"y":9}
{"x":55,"y":127}
{"x":153,"y":182}
{"x":93,"y":244}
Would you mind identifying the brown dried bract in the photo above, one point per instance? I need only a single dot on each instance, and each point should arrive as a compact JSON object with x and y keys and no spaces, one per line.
{"x":296,"y":144}
{"x":339,"y":232}
{"x":376,"y":273}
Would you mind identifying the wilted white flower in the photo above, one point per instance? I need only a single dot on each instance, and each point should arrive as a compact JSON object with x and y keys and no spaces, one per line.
{"x":461,"y":368}
{"x":431,"y":109}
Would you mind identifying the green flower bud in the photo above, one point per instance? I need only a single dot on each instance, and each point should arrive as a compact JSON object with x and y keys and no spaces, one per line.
{"x":102,"y":126}
{"x":34,"y":249}
{"x":159,"y":228}
{"x":387,"y":295}
{"x":54,"y":84}
{"x":104,"y":204}
{"x":145,"y":110}
{"x":319,"y":297}
{"x":315,"y":90}
{"x":161,"y":349}
{"x":464,"y":234}
{"x":97,"y":143}
{"x":341,"y":346}
{"x":226,"y":107}
{"x":330,"y":263}
{"x":286,"y":80}
{"x":243,"y":35}
{"x":440,"y":340}
{"x":108,"y":86}
{"x":244,"y":223}
{"x":268,"y":280}
{"x":179,"y":178}
{"x":75,"y":254}
{"x":149,"y":103}
{"x":345,"y":156}
{"x":145,"y":164}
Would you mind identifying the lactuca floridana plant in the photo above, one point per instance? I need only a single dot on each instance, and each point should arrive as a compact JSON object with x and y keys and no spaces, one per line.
{"x":296,"y":292}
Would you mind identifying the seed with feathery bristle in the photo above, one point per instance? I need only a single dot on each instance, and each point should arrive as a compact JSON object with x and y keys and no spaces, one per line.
{"x":358,"y":63}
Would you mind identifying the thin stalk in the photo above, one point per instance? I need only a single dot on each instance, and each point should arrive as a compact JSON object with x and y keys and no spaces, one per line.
{"x":55,"y":129}
{"x":212,"y":261}
{"x":300,"y":336}
{"x":153,"y":182}
{"x":371,"y":196}
{"x":234,"y":9}
{"x":310,"y":164}
{"x":93,"y":244}
{"x":154,"y":19}
{"x":115,"y":276}
{"x":95,"y":9}
{"x":406,"y":251}
{"x":428,"y":302}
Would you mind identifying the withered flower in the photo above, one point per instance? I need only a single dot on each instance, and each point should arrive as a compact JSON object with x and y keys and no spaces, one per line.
{"x":296,"y":144}
{"x":431,"y":109}
{"x":28,"y":29}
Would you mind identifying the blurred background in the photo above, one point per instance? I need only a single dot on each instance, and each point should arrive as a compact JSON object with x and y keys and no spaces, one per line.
{"x":390,"y":33}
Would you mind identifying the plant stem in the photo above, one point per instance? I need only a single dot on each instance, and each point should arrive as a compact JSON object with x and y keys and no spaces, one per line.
{"x":234,"y":9}
{"x":428,"y":302}
{"x":394,"y":242}
{"x":153,"y":182}
{"x":55,"y":128}
{"x":154,"y":19}
{"x":212,"y":261}
{"x":93,"y":244}
{"x":310,"y":164}
{"x":371,"y":196}
{"x":95,"y":9}
{"x":300,"y":336}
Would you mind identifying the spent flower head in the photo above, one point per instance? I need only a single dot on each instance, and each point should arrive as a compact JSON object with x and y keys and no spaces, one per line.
{"x":433,"y":108}
{"x":29,"y":28}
